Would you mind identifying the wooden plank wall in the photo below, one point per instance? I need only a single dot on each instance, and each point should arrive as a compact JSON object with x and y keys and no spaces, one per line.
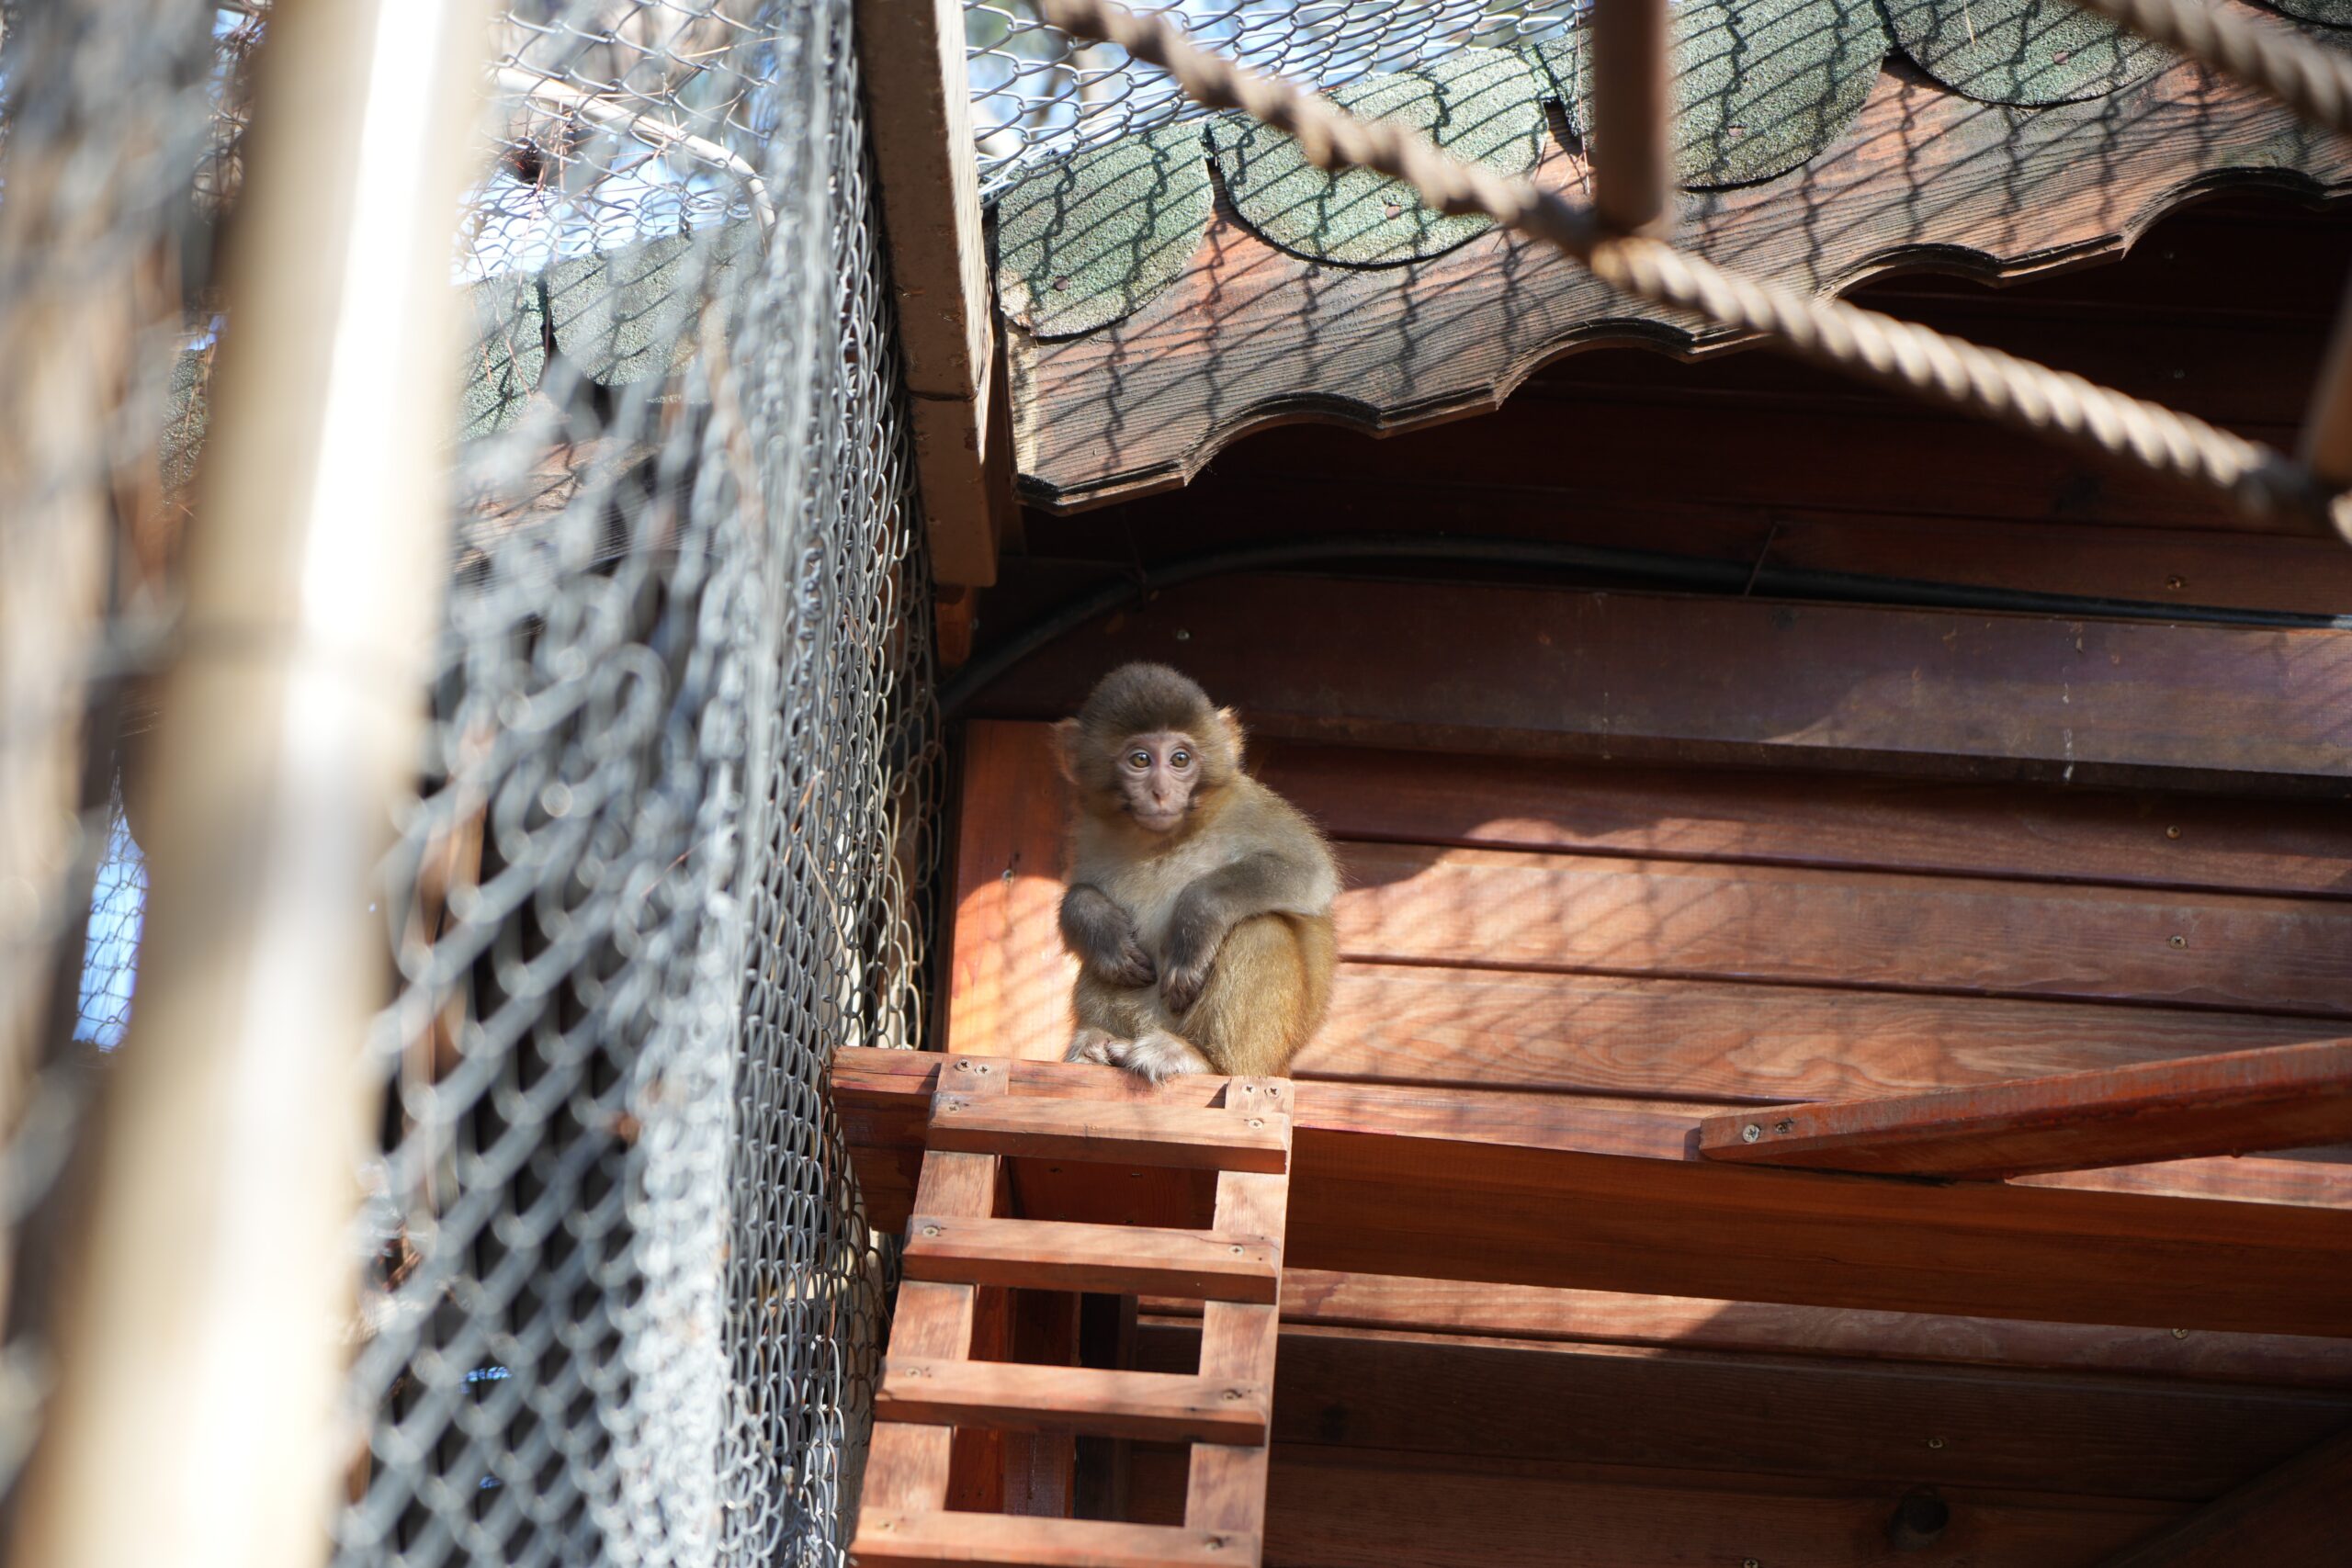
{"x":1793,"y":917}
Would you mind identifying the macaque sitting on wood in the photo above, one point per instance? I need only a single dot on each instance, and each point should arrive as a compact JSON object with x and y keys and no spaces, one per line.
{"x":1200,"y":901}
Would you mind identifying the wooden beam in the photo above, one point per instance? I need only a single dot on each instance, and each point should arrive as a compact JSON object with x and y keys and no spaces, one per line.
{"x":1552,"y":1190}
{"x":2327,"y":429}
{"x":1320,"y":1297}
{"x":1002,"y":1396}
{"x":1429,"y":1392}
{"x":2293,"y":1514}
{"x":1055,"y":1254}
{"x":2282,"y":1097}
{"x":920,"y":119}
{"x":1340,"y":1507}
{"x":1633,"y":109}
{"x":1006,"y":1540}
{"x":1658,"y":677}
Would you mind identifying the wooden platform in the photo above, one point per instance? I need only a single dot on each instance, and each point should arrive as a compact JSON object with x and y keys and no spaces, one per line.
{"x":1513,"y":1272}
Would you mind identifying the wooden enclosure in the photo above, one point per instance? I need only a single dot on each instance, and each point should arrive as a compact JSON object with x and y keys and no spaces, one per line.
{"x":1626,"y":864}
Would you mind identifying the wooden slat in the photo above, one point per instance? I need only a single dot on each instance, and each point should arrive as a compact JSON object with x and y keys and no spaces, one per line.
{"x":1562,"y":672}
{"x":1418,"y":904}
{"x":1227,"y":1487}
{"x":908,"y":1468}
{"x":904,"y":1540}
{"x":1009,"y":980}
{"x":1860,"y":824}
{"x":1125,"y":1260}
{"x":2293,"y":1514}
{"x":1548,"y":1189}
{"x":2281,"y":1098}
{"x":1347,"y":1508}
{"x":1314,"y":1296}
{"x":1778,"y":1414}
{"x":1007,"y":1397}
{"x":1704,"y":1040}
{"x":1110,"y":1131}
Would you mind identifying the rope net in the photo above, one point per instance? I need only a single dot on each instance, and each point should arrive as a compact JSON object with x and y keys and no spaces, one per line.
{"x":672,"y":842}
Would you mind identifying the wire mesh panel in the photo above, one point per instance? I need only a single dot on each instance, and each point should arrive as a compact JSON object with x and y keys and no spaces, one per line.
{"x":673,"y":850}
{"x":1037,"y":96}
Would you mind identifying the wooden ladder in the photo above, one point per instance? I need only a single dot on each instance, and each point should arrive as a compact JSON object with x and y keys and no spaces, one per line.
{"x":956,"y":1244}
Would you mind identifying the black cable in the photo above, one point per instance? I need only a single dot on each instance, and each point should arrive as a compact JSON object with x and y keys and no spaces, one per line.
{"x":1691,"y":572}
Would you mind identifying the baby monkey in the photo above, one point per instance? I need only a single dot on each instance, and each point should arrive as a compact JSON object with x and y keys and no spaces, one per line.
{"x":1200,"y":901}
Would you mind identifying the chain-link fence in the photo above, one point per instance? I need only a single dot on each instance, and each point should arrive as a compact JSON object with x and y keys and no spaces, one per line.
{"x":1038,"y":96}
{"x":673,"y":841}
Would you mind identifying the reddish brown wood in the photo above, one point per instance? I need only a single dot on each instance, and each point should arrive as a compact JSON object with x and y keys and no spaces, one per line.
{"x":1784,"y":1415}
{"x":1312,"y":1296}
{"x":1554,"y":1190}
{"x":907,"y":1539}
{"x":2177,"y":842}
{"x":1238,"y":1340}
{"x":1129,"y":1260}
{"x":1003,"y":1396}
{"x":1251,"y":336}
{"x":2293,"y":1514}
{"x":1009,"y":981}
{"x":1416,"y":904}
{"x":908,"y":1468}
{"x":2281,"y":1098}
{"x":1714,"y":1040}
{"x":1109,"y":1129}
{"x":1348,"y":1508}
{"x":1040,"y":1468}
{"x":1641,"y":677}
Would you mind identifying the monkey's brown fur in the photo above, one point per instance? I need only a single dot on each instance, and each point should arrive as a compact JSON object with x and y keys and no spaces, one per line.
{"x":1204,"y":942}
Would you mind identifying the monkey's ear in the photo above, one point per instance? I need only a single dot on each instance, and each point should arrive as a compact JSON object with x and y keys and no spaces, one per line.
{"x":1229,"y":723}
{"x":1066,"y":739}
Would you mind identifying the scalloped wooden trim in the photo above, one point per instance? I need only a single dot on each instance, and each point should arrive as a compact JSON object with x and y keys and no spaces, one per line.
{"x":1250,"y":337}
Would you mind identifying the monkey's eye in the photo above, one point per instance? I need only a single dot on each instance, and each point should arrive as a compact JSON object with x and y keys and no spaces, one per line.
{"x":1140,"y":759}
{"x":1181,"y":758}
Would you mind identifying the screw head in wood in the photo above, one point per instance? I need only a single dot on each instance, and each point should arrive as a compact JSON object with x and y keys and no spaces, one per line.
{"x":1750,"y":1132}
{"x":2175,"y":582}
{"x":1236,"y":1251}
{"x":1935,"y":1442}
{"x":1784,"y":1127}
{"x":2173,"y":832}
{"x":2179,"y":940}
{"x":2180,"y":1333}
{"x":931,"y":1230}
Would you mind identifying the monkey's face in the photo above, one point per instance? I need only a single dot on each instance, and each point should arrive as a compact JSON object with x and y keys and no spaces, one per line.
{"x":1157,"y":773}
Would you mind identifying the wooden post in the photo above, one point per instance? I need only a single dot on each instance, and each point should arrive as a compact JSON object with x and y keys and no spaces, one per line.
{"x":2327,"y":428}
{"x":1633,"y":111}
{"x":911,"y":53}
{"x":199,"y":1351}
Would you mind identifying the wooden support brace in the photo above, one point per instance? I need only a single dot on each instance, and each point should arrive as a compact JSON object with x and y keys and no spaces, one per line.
{"x":908,"y":1466}
{"x":1226,"y":1489}
{"x":1633,"y":157}
{"x":1059,"y":1256}
{"x":912,"y":52}
{"x":2295,"y":1513}
{"x":2239,"y":1102}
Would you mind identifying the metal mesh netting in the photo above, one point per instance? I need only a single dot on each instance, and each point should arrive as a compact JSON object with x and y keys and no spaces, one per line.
{"x":675,"y":842}
{"x":672,"y":846}
{"x":1038,"y":96}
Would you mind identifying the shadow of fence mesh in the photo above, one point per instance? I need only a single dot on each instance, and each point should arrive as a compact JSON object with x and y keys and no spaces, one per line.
{"x":671,"y":844}
{"x":1038,"y":96}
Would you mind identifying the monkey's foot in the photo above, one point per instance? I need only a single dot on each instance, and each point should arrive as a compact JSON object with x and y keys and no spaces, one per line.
{"x":1158,"y":1056}
{"x":1095,"y":1046}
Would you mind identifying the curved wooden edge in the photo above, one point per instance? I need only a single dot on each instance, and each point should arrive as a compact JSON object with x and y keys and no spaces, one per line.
{"x":1252,"y":338}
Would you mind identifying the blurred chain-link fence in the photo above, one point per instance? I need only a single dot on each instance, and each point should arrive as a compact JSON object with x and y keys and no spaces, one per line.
{"x":1037,"y":96}
{"x":672,"y":843}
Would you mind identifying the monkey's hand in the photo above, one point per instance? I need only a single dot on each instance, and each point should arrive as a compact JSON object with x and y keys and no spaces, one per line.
{"x":1105,"y":939}
{"x":1193,"y":938}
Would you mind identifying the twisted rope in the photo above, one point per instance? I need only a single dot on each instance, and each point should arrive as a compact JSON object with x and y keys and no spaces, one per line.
{"x":2312,"y":80}
{"x":2263,"y":482}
